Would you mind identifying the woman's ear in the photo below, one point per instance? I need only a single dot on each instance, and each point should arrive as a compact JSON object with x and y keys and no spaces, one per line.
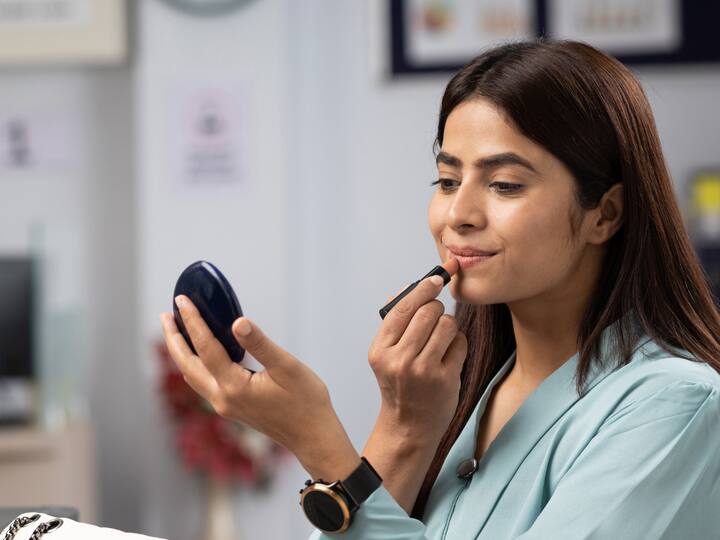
{"x":610,"y":215}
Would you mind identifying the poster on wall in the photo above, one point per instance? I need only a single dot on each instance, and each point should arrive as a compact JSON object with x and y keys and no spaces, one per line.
{"x":619,"y":26}
{"x":63,"y":31}
{"x":433,"y":36}
{"x":450,"y":30}
{"x":207,"y":120}
{"x":41,"y":139}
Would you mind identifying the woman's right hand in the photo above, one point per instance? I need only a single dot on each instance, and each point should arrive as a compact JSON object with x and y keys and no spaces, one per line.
{"x":417,"y":357}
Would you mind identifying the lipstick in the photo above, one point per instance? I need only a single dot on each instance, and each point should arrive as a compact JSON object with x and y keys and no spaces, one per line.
{"x":446,"y":271}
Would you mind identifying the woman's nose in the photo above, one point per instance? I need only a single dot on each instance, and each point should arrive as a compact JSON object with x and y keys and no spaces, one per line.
{"x":466,"y":209}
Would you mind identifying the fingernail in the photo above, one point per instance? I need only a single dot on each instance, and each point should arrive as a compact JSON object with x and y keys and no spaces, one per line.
{"x":180,"y":301}
{"x":437,"y":280}
{"x":244,"y":328}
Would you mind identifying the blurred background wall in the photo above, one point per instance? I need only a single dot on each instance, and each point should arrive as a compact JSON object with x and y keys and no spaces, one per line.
{"x":327,"y":220}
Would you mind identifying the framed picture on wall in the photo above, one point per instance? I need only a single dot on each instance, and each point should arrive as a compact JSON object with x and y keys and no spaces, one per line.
{"x":442,"y":35}
{"x":63,"y":31}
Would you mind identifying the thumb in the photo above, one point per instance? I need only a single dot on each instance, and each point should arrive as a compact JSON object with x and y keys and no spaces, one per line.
{"x":273,"y":357}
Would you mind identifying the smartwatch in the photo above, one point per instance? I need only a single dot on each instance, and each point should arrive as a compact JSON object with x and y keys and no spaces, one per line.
{"x":330,"y":507}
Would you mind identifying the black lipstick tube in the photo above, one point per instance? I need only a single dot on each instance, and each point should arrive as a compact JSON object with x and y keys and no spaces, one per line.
{"x":437,"y":271}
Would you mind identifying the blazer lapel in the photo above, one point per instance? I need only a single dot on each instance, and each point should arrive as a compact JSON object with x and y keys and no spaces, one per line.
{"x":447,"y":482}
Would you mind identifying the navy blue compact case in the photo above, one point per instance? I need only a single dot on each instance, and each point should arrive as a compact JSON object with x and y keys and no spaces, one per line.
{"x":215,"y":299}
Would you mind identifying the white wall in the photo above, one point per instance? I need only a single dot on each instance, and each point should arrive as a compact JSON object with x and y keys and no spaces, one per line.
{"x":684,"y":102}
{"x":114,"y":376}
{"x":242,"y":228}
{"x":330,"y":221}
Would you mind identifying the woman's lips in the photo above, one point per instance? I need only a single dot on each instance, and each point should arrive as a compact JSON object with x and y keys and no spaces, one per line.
{"x":466,"y":262}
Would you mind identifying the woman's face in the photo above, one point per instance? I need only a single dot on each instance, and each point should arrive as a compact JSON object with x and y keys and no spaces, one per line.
{"x":500,"y":192}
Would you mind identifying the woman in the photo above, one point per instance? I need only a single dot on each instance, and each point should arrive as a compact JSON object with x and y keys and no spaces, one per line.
{"x":575,"y":394}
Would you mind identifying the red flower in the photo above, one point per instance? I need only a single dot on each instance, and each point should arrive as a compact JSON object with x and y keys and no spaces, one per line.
{"x":209,"y":443}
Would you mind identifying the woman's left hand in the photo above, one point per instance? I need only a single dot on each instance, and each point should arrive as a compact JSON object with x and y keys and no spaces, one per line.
{"x":286,"y":401}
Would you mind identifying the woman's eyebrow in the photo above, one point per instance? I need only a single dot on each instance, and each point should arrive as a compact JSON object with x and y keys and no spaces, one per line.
{"x":495,"y":160}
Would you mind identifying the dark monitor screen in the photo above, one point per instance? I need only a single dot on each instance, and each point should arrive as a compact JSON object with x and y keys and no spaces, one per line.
{"x":16,"y":317}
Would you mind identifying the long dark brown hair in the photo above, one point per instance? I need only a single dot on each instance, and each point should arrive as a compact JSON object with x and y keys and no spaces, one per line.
{"x":591,"y":113}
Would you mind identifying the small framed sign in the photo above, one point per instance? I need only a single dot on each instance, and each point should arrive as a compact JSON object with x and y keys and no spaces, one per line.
{"x":63,"y":31}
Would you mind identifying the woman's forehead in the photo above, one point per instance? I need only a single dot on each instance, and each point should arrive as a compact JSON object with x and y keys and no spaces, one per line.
{"x":477,"y":130}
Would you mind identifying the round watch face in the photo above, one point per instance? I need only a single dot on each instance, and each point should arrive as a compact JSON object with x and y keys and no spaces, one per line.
{"x":324,"y":510}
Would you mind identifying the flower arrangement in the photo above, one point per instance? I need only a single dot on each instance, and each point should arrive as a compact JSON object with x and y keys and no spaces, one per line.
{"x":209,"y":443}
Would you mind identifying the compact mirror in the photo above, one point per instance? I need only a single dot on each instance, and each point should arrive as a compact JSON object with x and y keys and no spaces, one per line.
{"x":215,"y":299}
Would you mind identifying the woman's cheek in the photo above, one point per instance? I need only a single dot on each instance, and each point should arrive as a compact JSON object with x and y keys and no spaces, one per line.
{"x":436,"y":220}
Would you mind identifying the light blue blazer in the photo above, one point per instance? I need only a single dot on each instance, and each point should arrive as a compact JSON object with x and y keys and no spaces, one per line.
{"x":638,"y":457}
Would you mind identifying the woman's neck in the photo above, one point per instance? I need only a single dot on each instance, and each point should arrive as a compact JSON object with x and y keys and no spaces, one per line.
{"x":544,"y":340}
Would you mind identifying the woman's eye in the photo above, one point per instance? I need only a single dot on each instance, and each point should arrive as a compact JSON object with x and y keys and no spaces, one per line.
{"x":502,"y":187}
{"x":443,"y":184}
{"x":506,"y":187}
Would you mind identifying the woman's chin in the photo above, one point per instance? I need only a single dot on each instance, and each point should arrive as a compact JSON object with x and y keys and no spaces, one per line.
{"x":463,"y":291}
